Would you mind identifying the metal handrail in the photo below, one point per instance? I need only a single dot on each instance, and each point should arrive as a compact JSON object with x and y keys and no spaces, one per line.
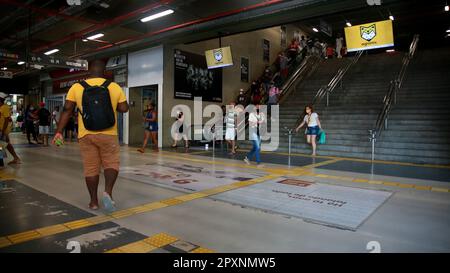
{"x":328,"y":89}
{"x":308,"y":65}
{"x":337,"y":78}
{"x":391,"y":96}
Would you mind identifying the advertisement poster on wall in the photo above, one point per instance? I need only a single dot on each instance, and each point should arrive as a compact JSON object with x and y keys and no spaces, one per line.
{"x":244,"y":69}
{"x":193,"y":79}
{"x":266,"y":50}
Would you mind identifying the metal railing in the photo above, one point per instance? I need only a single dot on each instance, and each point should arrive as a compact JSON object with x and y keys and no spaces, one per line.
{"x":391,"y":96}
{"x":338,"y":77}
{"x":308,"y":65}
{"x":328,"y":89}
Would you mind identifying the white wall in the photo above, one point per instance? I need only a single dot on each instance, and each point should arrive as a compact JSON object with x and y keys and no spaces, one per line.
{"x":145,"y":67}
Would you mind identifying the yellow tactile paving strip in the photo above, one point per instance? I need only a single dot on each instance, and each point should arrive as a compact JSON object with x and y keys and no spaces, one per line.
{"x":241,"y":165}
{"x":154,"y":242}
{"x":60,"y":228}
{"x":358,"y":160}
{"x":379,"y":182}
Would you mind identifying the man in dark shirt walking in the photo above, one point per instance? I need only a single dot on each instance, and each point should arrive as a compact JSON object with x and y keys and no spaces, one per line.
{"x":44,"y":123}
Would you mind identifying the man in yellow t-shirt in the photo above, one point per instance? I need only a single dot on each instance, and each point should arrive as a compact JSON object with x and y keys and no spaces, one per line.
{"x":5,"y":127}
{"x":98,"y":148}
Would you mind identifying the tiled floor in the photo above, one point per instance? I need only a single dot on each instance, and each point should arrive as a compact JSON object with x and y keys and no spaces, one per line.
{"x":174,"y":201}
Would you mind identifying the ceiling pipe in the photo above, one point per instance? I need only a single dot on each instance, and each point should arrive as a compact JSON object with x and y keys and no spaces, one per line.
{"x":102,"y":25}
{"x":182,"y":25}
{"x":48,"y":11}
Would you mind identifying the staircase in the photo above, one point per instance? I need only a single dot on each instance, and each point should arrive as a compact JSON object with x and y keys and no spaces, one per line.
{"x":419,"y":124}
{"x":352,"y":110}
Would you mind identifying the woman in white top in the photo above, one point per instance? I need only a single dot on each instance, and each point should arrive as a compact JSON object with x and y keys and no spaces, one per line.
{"x":312,"y":122}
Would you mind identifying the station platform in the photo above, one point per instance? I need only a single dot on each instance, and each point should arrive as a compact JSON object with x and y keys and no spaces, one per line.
{"x":179,"y":200}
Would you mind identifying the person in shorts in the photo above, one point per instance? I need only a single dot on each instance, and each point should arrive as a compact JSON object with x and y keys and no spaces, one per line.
{"x":6,"y":126}
{"x":99,"y":149}
{"x":151,"y":128}
{"x":312,"y":122}
{"x":230,"y":125}
{"x":44,"y":123}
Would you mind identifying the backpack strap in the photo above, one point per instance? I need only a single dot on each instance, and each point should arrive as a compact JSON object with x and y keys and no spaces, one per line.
{"x":106,"y":84}
{"x":84,"y":84}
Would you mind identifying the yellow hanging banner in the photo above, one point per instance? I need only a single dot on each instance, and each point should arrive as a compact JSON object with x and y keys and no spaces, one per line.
{"x":369,"y":36}
{"x":219,"y":57}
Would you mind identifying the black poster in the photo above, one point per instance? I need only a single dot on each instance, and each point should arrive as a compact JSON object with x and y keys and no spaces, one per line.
{"x":266,"y":50}
{"x":193,"y":79}
{"x":244,"y":69}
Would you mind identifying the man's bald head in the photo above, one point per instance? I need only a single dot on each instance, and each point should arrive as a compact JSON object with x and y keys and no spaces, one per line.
{"x":97,"y":68}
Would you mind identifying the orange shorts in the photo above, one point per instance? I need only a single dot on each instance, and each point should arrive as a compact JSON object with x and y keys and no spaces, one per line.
{"x":99,"y":151}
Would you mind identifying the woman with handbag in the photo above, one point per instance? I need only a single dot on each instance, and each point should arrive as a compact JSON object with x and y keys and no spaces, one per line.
{"x":313,"y":129}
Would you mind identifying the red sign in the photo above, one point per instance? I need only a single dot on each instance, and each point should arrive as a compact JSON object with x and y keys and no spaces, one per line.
{"x":295,"y":182}
{"x":63,"y":79}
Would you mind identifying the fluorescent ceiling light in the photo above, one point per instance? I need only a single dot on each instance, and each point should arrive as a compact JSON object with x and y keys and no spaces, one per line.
{"x":21,"y":63}
{"x":50,"y":52}
{"x":315,"y":29}
{"x":84,"y":40}
{"x":391,"y":17}
{"x":4,"y":68}
{"x":390,"y":50}
{"x":157,"y":15}
{"x":448,"y":30}
{"x":447,"y":8}
{"x":349,"y":24}
{"x":96,"y":36}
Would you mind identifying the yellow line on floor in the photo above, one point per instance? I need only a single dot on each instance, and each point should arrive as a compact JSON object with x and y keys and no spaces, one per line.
{"x":357,"y":159}
{"x":376,"y":182}
{"x":199,"y":152}
{"x":81,"y":223}
{"x":153,"y":242}
{"x":278,"y":171}
{"x":315,"y":165}
{"x":4,"y":175}
{"x":366,"y":160}
{"x":306,"y":170}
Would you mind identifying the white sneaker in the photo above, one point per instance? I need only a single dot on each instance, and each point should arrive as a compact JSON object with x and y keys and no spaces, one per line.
{"x":247,"y":161}
{"x":108,"y":203}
